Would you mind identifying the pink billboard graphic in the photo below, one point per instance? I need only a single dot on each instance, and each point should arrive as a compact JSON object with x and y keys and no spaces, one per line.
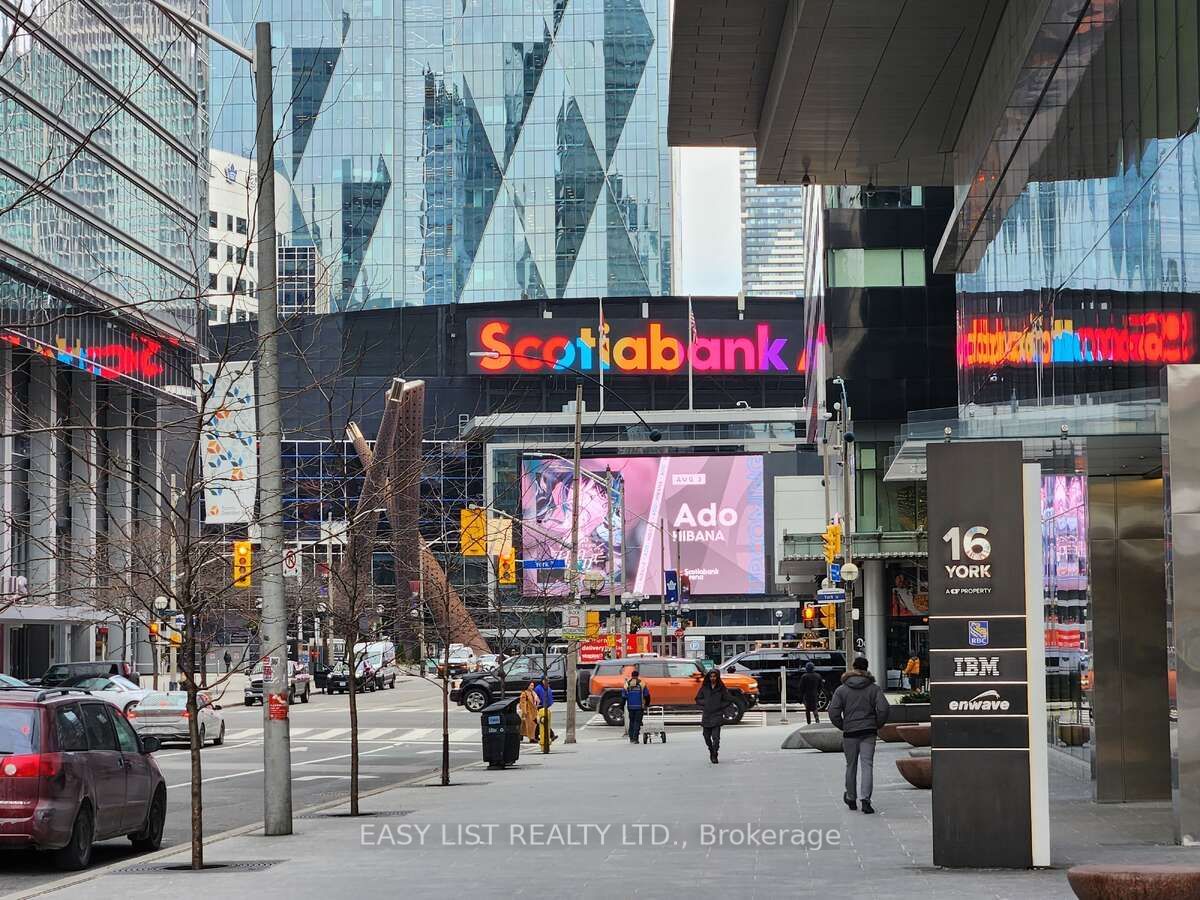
{"x":711,"y":508}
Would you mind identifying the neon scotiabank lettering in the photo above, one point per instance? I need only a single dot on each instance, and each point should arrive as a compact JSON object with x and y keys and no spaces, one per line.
{"x":1145,"y":338}
{"x":648,"y":349}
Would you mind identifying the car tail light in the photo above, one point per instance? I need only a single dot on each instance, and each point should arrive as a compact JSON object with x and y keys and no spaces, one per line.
{"x":31,"y":765}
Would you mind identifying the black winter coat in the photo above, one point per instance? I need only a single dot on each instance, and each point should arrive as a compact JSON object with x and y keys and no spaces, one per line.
{"x":810,"y":685}
{"x":712,"y":703}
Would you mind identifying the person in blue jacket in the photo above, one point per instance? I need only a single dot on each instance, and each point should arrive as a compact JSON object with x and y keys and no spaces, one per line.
{"x":545,"y":696}
{"x":637,"y":697}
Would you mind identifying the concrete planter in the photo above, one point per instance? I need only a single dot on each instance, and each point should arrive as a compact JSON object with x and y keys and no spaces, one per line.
{"x":827,"y":739}
{"x":902,"y":713}
{"x":890,"y":733}
{"x":1073,"y":735}
{"x":918,"y":772}
{"x":919,"y":735}
{"x":1115,"y":882}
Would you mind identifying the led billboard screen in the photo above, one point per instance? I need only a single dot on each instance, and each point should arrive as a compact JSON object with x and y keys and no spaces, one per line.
{"x":711,"y":508}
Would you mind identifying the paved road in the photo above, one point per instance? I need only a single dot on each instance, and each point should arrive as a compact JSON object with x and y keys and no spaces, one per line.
{"x":400,"y":738}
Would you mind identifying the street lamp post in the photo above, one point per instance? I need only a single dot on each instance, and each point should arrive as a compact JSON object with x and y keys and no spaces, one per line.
{"x":277,"y":755}
{"x":572,"y":645}
{"x":783,"y":716}
{"x":849,"y":570}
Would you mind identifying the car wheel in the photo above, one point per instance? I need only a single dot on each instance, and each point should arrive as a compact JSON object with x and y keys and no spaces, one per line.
{"x":220,"y":737}
{"x":249,"y":702}
{"x":78,"y":852}
{"x":475,"y":700}
{"x":202,"y":730}
{"x":582,"y":704}
{"x":733,"y":713}
{"x":291,"y":696}
{"x":150,"y":837}
{"x":613,"y":711}
{"x":304,"y":696}
{"x":129,"y":706}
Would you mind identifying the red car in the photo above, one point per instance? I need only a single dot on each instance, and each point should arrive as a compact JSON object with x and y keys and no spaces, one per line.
{"x":74,"y":772}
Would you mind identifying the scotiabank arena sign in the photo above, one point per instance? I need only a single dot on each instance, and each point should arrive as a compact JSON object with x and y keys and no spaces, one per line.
{"x":528,"y":346}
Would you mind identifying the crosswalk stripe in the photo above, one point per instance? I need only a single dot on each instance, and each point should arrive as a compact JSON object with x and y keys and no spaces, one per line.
{"x":242,"y":735}
{"x":327,"y":735}
{"x":373,"y":734}
{"x":464,"y":734}
{"x":414,"y":734}
{"x":296,"y":732}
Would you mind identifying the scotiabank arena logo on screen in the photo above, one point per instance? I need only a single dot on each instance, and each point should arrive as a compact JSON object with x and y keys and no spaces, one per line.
{"x":503,"y":346}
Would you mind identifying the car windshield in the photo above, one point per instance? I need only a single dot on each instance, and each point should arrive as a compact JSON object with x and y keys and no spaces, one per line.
{"x":18,"y":730}
{"x":89,"y":683}
{"x":164,"y":700}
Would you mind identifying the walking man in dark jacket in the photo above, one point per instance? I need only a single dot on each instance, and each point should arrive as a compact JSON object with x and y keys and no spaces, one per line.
{"x":811,"y":683}
{"x":713,"y":698}
{"x":858,"y":708}
{"x":637,"y":698}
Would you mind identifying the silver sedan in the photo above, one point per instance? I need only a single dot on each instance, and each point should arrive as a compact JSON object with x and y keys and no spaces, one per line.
{"x":164,"y":714}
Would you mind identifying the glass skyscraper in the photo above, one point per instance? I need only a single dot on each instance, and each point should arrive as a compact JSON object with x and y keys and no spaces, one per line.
{"x":772,"y":234}
{"x":444,"y":151}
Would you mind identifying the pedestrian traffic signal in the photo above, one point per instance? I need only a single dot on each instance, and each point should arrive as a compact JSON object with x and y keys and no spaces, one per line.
{"x":176,"y":638}
{"x":829,"y":616}
{"x":506,"y":567}
{"x":472,"y":524}
{"x":809,"y":615}
{"x":243,"y":559}
{"x":831,"y":540}
{"x":685,"y":587}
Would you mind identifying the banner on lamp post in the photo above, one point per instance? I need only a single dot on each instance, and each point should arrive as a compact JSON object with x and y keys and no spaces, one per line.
{"x":228,"y":441}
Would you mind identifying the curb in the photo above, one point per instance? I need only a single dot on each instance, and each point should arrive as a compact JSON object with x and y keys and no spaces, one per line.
{"x":185,"y":847}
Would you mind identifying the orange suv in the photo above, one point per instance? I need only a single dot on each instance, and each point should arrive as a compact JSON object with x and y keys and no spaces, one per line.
{"x":672,"y":683}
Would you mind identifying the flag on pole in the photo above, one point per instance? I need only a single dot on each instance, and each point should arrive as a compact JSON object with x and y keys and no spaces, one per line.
{"x":691,"y":339}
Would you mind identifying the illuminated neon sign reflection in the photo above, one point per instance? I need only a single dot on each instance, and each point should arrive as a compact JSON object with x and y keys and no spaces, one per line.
{"x":1141,"y":338}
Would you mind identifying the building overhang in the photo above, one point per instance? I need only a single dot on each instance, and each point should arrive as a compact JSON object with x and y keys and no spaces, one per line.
{"x":845,"y":91}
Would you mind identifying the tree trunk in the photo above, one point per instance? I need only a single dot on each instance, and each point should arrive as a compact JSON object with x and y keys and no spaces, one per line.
{"x":197,"y":790}
{"x":353,"y":730}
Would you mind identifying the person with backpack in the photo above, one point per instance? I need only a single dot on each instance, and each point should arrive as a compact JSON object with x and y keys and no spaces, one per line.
{"x":859,"y":708}
{"x":637,"y":697}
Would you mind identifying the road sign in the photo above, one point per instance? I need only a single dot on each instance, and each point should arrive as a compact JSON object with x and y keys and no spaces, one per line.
{"x":574,"y":626}
{"x":543,"y":564}
{"x":592,"y":651}
{"x":835,"y":571}
{"x":671,"y":582}
{"x":291,"y":564}
{"x":178,"y":622}
{"x":831,"y":595}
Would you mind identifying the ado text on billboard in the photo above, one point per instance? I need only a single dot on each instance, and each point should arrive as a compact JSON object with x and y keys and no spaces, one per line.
{"x":711,"y":508}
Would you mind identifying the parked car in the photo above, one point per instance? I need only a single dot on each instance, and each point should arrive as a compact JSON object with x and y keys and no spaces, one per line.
{"x":378,"y":660}
{"x":764,"y":665}
{"x":337,"y":680}
{"x":320,"y":672}
{"x":478,"y":689}
{"x":488,"y":661}
{"x":59,"y":673}
{"x":604,"y":667}
{"x":376,"y":679}
{"x":299,"y":684}
{"x":462,"y":660}
{"x":75,"y":772}
{"x":672,"y":682}
{"x":120,"y":692}
{"x":164,"y":714}
{"x":9,"y":681}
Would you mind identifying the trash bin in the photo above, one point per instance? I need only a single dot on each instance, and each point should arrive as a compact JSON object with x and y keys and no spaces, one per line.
{"x":501,"y":724}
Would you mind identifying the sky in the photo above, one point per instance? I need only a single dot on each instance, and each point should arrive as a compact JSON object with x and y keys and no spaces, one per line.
{"x":710,"y":245}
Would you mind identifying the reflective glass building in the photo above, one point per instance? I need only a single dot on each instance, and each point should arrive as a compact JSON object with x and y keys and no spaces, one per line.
{"x":444,"y":151}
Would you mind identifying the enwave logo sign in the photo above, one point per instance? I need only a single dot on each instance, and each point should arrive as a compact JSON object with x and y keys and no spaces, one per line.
{"x":502,"y":346}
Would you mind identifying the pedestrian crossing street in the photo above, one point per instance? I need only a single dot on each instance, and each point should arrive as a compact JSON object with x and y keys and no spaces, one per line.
{"x":367,"y":735}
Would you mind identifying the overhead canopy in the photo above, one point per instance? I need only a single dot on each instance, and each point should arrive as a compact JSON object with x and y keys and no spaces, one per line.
{"x":846,"y":91}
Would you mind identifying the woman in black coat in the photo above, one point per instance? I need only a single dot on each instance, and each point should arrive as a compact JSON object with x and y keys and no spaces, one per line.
{"x":713,"y":698}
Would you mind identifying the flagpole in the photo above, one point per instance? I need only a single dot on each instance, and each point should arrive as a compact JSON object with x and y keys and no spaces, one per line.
{"x":691,"y":331}
{"x":600,"y":352}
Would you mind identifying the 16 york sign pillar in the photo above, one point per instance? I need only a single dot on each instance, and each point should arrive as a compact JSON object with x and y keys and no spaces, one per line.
{"x":987,"y":665}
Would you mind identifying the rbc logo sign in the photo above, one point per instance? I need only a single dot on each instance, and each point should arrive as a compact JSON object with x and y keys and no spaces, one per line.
{"x":977,"y":632}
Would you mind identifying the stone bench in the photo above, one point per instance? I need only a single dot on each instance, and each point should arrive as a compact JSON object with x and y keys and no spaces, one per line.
{"x":1115,"y":882}
{"x":825,"y":738}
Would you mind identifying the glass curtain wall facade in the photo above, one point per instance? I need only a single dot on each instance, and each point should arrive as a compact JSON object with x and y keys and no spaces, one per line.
{"x":1084,"y":276}
{"x":443,"y":151}
{"x":772,"y":234}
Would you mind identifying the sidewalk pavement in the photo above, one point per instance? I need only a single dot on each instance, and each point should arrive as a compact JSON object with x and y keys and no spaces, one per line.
{"x":665,"y":805}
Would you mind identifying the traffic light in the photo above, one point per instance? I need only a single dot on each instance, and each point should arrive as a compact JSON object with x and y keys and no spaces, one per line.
{"x":473,"y":531}
{"x":243,"y":559}
{"x":829,"y":616}
{"x":176,"y":638}
{"x":808,"y":615}
{"x":831,"y":540}
{"x":506,"y":567}
{"x":153,"y":628}
{"x":685,"y":587}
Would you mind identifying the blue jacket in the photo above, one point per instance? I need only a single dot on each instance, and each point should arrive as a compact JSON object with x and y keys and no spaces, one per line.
{"x":635,"y":699}
{"x":545,"y":696}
